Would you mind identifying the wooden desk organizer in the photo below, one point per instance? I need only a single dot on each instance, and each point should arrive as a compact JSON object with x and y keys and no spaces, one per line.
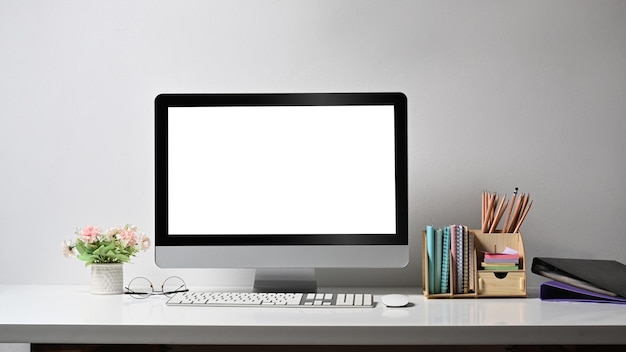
{"x":488,"y":283}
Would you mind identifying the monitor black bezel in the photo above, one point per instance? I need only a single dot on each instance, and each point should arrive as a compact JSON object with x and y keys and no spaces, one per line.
{"x":164,"y":101}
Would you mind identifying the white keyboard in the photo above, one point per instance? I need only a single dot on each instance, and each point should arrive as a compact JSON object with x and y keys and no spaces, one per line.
{"x":249,"y":299}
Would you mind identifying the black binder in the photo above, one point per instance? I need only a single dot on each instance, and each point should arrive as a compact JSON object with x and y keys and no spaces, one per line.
{"x":602,"y":276}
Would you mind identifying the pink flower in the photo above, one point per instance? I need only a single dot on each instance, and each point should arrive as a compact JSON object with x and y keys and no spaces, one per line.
{"x":127,"y":237}
{"x":89,"y":234}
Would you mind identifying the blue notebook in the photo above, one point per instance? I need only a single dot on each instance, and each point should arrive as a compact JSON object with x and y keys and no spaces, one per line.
{"x":445,"y":260}
{"x":430,"y":244}
{"x":438,"y":259}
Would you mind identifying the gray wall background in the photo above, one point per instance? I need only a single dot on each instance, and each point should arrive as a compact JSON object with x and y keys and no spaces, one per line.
{"x":502,"y":94}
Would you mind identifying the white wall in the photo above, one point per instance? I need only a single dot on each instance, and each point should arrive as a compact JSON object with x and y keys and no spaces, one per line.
{"x":501,"y":94}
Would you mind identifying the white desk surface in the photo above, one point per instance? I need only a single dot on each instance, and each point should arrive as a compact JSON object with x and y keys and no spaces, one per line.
{"x":70,"y":314}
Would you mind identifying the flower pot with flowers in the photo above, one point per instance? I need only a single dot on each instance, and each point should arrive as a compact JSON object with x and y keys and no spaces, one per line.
{"x":106,"y":252}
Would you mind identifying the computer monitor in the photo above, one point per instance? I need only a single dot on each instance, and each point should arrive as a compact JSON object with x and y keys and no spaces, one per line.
{"x":282,"y":183}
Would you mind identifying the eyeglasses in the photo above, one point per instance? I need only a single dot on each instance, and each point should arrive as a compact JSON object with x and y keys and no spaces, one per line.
{"x":141,"y":287}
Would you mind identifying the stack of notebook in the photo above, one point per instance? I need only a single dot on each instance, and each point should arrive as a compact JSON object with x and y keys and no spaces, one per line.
{"x":500,"y":261}
{"x":450,"y":251}
{"x":581,"y":280}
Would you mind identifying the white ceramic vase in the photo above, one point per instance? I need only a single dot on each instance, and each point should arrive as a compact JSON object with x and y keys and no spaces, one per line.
{"x":107,"y":279}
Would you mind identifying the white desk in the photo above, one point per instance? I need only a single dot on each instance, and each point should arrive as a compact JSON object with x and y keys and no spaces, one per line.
{"x":69,"y":314}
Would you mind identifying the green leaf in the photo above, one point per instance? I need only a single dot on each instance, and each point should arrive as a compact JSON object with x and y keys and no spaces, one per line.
{"x":80,"y":247}
{"x":85,"y":256}
{"x":103,"y":249}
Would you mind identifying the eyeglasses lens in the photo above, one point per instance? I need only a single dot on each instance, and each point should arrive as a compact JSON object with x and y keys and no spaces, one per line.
{"x":140,"y":287}
{"x":172,"y":285}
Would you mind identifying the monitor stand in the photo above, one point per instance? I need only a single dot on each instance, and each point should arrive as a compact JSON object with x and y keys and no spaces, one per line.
{"x":285,"y":280}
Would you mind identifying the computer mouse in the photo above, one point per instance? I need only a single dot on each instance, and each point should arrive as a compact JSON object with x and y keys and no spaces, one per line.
{"x":395,"y":300}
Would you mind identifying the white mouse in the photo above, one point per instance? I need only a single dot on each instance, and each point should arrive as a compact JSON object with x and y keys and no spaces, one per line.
{"x":395,"y":300}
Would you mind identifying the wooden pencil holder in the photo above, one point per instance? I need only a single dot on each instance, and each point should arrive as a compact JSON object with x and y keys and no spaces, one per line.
{"x":485,"y":283}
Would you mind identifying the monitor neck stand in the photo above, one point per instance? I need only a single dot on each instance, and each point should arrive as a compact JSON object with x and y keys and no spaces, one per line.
{"x":285,"y":280}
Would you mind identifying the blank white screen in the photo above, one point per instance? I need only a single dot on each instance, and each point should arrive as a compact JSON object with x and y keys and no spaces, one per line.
{"x":281,"y":170}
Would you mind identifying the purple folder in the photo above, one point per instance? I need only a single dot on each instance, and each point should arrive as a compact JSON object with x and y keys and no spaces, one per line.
{"x":558,"y":291}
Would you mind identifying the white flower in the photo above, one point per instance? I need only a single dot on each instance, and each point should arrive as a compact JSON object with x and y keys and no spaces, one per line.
{"x":67,"y":248}
{"x":111,"y":232}
{"x":144,"y":242}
